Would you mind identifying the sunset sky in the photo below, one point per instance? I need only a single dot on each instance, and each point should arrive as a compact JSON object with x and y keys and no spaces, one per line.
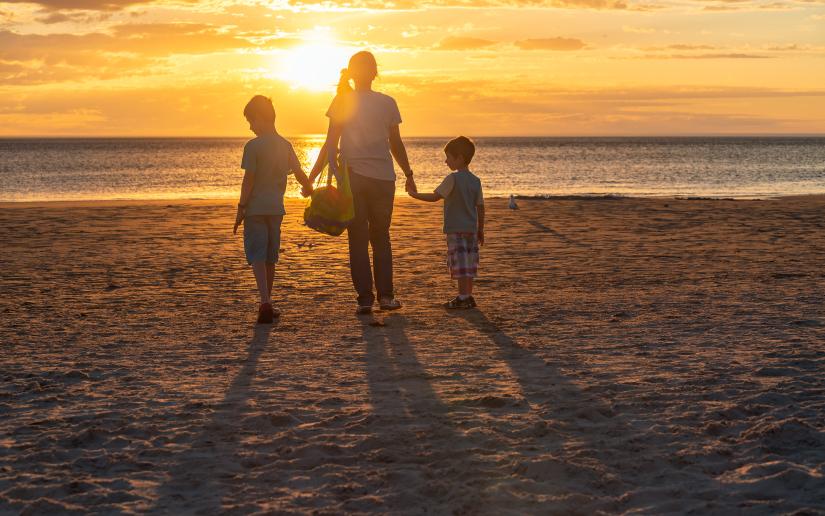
{"x":495,"y":67}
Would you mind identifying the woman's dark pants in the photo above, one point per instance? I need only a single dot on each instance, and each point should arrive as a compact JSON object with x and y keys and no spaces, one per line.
{"x":373,"y":199}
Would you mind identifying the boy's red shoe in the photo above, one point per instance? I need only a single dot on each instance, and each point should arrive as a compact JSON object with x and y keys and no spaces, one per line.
{"x":265,"y":315}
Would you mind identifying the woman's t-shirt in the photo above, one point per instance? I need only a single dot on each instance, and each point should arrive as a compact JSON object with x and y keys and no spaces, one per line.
{"x":367,"y":117}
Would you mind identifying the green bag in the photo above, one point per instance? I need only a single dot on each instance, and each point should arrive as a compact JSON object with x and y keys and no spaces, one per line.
{"x":330,"y":210}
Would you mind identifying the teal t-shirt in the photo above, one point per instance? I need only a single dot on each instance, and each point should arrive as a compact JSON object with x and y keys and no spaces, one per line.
{"x":461,"y":191}
{"x":271,"y":158}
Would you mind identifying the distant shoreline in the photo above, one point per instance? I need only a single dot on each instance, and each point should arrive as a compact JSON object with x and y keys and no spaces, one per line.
{"x":227,"y":200}
{"x":441,"y":137}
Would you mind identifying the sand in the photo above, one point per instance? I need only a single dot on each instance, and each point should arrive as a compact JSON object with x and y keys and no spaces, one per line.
{"x":654,"y":356}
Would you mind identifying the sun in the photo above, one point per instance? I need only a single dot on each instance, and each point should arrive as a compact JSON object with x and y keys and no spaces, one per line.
{"x":314,"y":65}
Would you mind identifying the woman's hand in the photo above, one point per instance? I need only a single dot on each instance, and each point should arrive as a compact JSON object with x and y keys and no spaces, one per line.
{"x":410,"y":185}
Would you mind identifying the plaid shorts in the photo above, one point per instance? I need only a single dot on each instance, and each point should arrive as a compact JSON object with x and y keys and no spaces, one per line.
{"x":462,"y":255}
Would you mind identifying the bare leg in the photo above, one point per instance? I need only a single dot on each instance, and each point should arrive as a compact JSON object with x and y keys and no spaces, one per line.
{"x":465,"y":286}
{"x":259,"y":268}
{"x":270,"y":277}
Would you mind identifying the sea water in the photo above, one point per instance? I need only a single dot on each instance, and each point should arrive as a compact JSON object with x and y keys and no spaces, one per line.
{"x":44,"y":169}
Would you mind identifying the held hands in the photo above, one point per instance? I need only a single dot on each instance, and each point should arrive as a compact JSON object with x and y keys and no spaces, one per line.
{"x":238,"y":219}
{"x":306,"y":190}
{"x":410,"y":185}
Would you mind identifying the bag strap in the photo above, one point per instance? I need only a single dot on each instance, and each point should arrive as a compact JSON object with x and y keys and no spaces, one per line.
{"x":342,"y":166}
{"x":320,"y":179}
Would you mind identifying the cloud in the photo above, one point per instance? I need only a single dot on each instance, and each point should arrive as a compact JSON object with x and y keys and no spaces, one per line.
{"x":463,"y":43}
{"x":719,"y":56}
{"x":417,"y":5}
{"x":127,"y":50}
{"x":491,"y":107}
{"x":94,"y":5}
{"x":683,"y":46}
{"x":35,"y":72}
{"x":637,"y":30}
{"x":157,"y":40}
{"x":550,"y":44}
{"x":512,"y":107}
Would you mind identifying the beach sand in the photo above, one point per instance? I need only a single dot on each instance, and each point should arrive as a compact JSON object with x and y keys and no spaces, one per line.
{"x":627,"y":355}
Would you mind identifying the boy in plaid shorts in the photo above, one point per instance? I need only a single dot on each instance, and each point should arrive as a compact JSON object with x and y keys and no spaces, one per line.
{"x":463,"y":218}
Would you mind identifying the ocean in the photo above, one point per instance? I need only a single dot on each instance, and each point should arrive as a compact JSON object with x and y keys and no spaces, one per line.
{"x":52,"y":169}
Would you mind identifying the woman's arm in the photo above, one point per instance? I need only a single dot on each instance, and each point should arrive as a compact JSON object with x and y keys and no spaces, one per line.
{"x":320,"y":163}
{"x":331,"y":145}
{"x":399,"y":152}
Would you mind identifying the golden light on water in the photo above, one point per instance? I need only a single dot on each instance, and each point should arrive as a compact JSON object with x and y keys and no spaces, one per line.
{"x":311,"y":155}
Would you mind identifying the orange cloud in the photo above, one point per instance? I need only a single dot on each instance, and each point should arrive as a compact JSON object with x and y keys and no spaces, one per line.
{"x":96,"y":5}
{"x":158,"y":40}
{"x":416,"y":5}
{"x":731,"y":55}
{"x":463,"y":43}
{"x":551,"y":44}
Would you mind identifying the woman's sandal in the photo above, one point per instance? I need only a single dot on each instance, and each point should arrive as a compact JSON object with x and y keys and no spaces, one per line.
{"x":389,"y":304}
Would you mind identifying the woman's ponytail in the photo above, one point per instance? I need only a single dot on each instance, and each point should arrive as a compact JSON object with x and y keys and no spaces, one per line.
{"x":343,"y":82}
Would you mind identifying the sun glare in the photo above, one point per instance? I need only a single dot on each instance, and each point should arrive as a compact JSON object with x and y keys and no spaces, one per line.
{"x":315,"y":65}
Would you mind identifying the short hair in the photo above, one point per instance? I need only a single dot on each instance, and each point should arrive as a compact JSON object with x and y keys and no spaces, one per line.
{"x":461,"y":146}
{"x":261,"y":107}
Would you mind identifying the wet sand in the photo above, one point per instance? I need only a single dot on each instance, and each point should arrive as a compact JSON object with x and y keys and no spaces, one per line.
{"x":627,"y":356}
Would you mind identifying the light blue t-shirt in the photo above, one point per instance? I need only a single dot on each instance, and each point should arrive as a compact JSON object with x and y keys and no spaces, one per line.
{"x":271,"y":158}
{"x":367,"y":118}
{"x":461,"y":191}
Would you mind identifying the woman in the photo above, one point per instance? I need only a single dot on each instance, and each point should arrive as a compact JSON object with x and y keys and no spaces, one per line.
{"x":366,"y":124}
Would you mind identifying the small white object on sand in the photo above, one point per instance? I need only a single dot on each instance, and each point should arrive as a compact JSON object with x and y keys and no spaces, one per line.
{"x":513,"y":205}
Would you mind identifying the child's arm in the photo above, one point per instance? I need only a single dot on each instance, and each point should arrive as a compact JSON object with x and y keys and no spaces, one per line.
{"x":480,"y":232}
{"x":296,"y":168}
{"x":246,"y":191}
{"x":429,"y":197}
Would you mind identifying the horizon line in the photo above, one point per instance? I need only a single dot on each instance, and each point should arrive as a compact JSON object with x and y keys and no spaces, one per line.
{"x":321,"y":135}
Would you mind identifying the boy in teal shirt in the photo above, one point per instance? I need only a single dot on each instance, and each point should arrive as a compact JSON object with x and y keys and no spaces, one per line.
{"x":463,"y":218}
{"x":267,"y":161}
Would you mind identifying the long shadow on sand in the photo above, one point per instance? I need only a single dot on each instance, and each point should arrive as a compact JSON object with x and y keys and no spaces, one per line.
{"x":561,"y":418}
{"x":197,"y":482}
{"x":592,"y":462}
{"x":541,"y":227}
{"x":428,"y":466}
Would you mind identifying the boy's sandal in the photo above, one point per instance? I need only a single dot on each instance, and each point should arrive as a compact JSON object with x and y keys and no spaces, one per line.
{"x":363,"y":309}
{"x":265,"y":314}
{"x":457,"y":303}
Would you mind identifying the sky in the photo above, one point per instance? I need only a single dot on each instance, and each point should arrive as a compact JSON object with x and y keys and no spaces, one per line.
{"x":480,"y":68}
